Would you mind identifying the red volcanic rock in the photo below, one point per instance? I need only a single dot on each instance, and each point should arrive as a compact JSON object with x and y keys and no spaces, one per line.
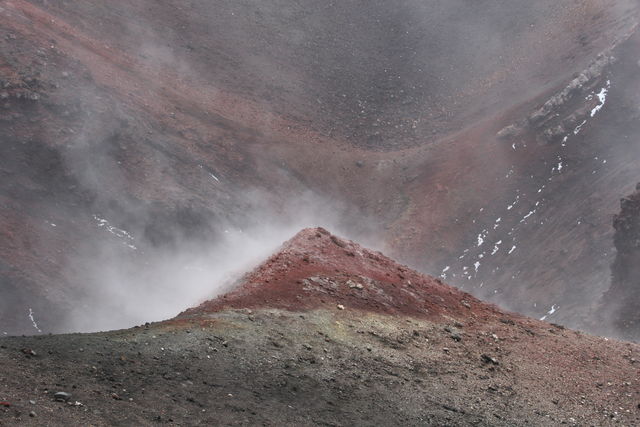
{"x":316,"y":269}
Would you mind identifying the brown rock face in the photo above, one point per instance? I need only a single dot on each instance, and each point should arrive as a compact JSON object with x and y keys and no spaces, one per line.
{"x":622,"y":302}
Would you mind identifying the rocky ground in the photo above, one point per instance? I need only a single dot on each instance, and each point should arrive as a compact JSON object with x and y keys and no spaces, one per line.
{"x":329,"y":339}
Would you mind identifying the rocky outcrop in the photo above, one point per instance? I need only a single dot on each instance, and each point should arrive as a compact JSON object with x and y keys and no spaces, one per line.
{"x":621,"y":302}
{"x":561,"y":113}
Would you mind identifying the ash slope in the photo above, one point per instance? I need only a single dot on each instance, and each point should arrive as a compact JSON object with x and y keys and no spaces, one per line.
{"x":335,"y":335}
{"x":147,"y":125}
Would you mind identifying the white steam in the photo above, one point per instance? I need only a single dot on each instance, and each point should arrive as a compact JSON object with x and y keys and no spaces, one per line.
{"x":120,"y":289}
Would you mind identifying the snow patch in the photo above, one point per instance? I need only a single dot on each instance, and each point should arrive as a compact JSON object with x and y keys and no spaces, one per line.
{"x":123,"y":235}
{"x":33,"y":321}
{"x":527,"y":215}
{"x":550,"y":312}
{"x":579,"y":127}
{"x":209,"y":173}
{"x":602,"y":97}
{"x":514,"y":203}
{"x":444,"y":272}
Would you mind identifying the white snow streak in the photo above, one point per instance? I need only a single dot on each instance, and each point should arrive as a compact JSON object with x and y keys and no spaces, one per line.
{"x":118,"y":232}
{"x":602,"y":97}
{"x":550,"y":312}
{"x":35,"y":325}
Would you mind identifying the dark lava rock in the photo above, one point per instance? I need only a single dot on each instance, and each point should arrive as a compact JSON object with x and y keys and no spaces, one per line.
{"x":619,"y":310}
{"x":62,"y":396}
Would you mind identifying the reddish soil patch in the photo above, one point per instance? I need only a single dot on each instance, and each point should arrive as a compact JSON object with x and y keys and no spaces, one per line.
{"x":317,"y":269}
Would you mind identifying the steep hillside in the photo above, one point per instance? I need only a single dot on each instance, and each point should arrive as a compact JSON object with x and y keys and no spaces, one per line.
{"x":530,"y":223}
{"x":325,"y":332}
{"x":138,"y":137}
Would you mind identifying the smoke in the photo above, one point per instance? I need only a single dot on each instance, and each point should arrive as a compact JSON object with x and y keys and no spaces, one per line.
{"x":180,"y":234}
{"x":169,"y":229}
{"x":166,"y":223}
{"x":122,"y":288}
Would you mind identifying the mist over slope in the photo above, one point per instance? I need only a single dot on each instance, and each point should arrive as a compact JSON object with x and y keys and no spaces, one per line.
{"x":325,"y":332}
{"x":152,"y":152}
